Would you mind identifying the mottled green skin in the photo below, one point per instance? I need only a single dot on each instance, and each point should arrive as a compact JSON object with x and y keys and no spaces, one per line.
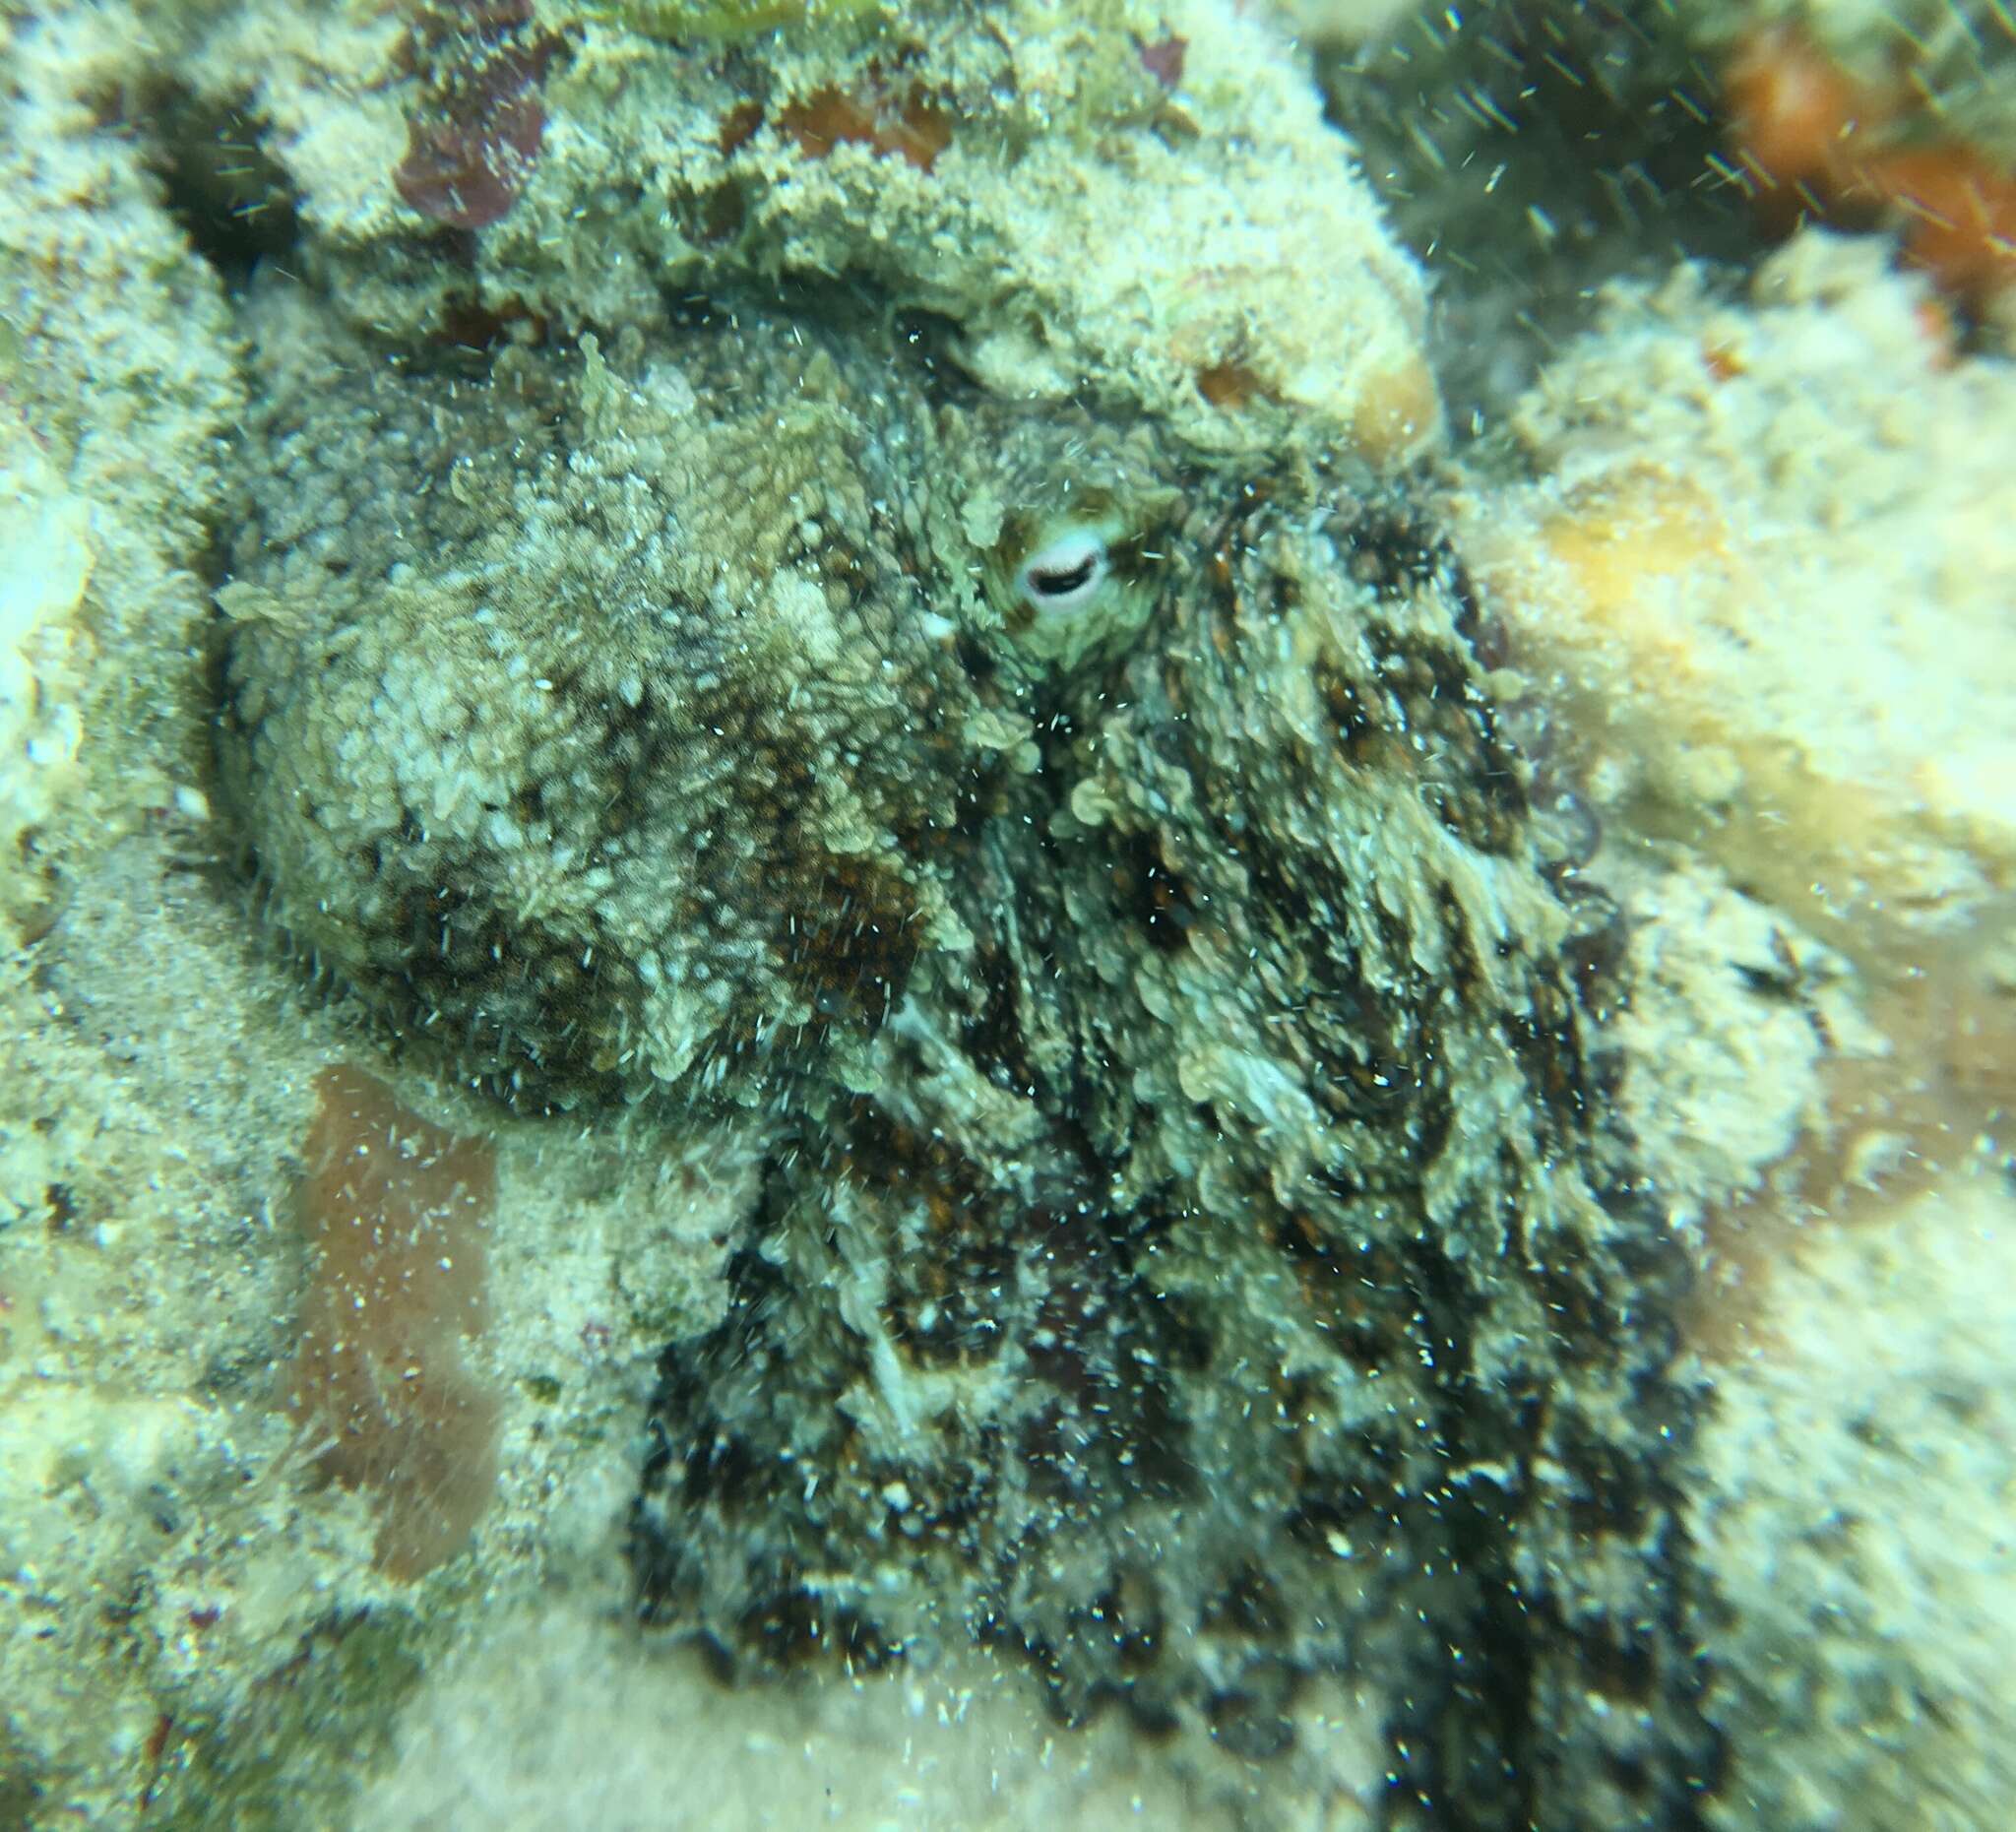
{"x":1190,"y":1253}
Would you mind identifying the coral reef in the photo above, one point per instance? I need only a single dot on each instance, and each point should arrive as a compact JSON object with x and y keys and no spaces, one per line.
{"x":1760,"y":553}
{"x":1855,"y":1491}
{"x":1740,"y":559}
{"x":1737,"y":553}
{"x":116,"y":391}
{"x":1937,"y":73}
{"x":981,"y":162}
{"x":1134,"y":1050}
{"x":156,"y":1552}
{"x":45,"y":534}
{"x":479,"y":125}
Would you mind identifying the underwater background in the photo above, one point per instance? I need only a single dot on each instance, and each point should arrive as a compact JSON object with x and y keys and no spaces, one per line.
{"x":998,"y":915}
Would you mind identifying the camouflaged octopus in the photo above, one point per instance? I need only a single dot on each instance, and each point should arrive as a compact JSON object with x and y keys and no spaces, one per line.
{"x":1192,"y":1252}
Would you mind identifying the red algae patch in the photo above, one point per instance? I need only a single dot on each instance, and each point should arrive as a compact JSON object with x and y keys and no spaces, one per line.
{"x":915,"y":126}
{"x":395,"y":1210}
{"x":475,"y":133}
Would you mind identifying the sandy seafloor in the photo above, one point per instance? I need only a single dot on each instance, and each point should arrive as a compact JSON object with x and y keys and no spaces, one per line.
{"x":1751,"y":528}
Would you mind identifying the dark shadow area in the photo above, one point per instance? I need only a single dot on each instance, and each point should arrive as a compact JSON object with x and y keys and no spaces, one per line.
{"x":1530,"y":153}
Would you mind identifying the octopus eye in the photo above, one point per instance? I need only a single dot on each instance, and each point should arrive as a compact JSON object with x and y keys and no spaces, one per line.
{"x":1067,"y":575}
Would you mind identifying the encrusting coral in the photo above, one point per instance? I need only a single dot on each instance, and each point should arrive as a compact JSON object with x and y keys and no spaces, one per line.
{"x":1855,"y":1490}
{"x":1734,"y":552}
{"x":981,"y":162}
{"x":45,"y":534}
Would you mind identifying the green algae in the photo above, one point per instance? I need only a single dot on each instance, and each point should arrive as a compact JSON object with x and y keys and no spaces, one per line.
{"x":295,"y":1749}
{"x":731,"y":22}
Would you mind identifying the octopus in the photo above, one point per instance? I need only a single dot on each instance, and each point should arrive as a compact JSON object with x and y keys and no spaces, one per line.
{"x":1103,"y":881}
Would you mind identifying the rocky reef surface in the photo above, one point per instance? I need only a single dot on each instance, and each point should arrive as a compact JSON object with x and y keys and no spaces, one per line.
{"x":818,"y":942}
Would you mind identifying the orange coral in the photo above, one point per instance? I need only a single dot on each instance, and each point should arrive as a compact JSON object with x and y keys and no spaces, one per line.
{"x":1790,"y":111}
{"x":395,"y":1210}
{"x":1961,"y":227}
{"x":1817,"y":144}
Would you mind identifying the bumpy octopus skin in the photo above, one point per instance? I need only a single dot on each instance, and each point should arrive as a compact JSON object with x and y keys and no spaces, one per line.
{"x":1193,"y":1254}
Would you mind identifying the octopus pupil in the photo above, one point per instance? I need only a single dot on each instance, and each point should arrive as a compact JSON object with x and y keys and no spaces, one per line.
{"x":1060,"y":584}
